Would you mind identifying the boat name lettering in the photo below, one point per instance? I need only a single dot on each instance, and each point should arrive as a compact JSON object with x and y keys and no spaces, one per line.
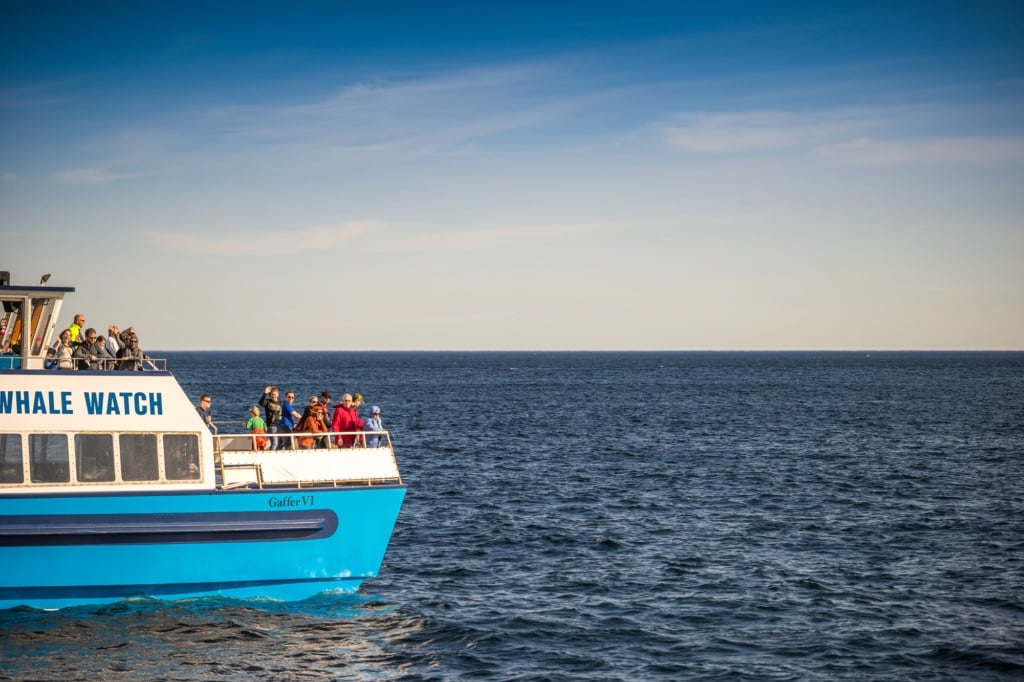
{"x":124,"y":402}
{"x":96,"y":402}
{"x":291,"y":501}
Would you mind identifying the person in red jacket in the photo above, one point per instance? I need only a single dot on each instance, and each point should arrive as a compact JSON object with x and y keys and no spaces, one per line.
{"x":346,"y":419}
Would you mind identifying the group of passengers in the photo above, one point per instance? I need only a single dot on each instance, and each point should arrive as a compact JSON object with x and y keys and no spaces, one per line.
{"x":313,"y":423}
{"x":82,"y":348}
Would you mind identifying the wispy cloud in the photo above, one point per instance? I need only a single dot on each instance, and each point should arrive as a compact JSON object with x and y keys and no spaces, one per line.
{"x":32,"y":96}
{"x":925,"y":151}
{"x":91,"y":176}
{"x":482,"y":239}
{"x":315,"y":239}
{"x":731,"y":132}
{"x":372,"y":120}
{"x":413,"y":116}
{"x":280,"y":242}
{"x":881,"y":137}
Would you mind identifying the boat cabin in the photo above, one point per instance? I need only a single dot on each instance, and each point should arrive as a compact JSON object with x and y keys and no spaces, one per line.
{"x":29,"y":317}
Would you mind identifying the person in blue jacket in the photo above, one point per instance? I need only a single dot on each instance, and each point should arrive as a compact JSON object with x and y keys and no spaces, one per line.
{"x":373,"y":423}
{"x":289,"y":418}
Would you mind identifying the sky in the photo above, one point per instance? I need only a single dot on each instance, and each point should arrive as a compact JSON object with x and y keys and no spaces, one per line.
{"x":356,"y":175}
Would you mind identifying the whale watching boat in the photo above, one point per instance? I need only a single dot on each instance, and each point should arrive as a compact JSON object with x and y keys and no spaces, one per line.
{"x":112,"y":486}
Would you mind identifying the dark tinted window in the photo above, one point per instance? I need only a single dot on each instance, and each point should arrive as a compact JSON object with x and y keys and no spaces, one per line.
{"x":138,"y":457}
{"x":48,"y":458}
{"x":11,"y":470}
{"x":181,"y":457}
{"x":94,"y":457}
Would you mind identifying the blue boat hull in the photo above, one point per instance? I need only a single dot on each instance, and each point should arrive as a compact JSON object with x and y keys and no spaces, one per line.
{"x":63,"y":550}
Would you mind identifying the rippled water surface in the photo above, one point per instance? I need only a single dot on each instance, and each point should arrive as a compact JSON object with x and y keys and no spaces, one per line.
{"x":625,"y":516}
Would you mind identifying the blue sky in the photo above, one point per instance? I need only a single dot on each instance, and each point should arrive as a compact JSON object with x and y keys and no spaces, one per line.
{"x":468,"y":175}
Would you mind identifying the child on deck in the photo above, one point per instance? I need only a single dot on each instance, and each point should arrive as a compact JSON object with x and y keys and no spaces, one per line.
{"x":256,"y":425}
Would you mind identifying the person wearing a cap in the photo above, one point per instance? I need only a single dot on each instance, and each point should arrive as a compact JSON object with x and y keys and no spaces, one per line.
{"x":373,"y":423}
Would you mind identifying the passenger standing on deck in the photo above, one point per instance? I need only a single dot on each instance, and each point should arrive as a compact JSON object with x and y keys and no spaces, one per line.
{"x":76,"y":329}
{"x":289,"y":418}
{"x":107,"y":359}
{"x":324,"y":405}
{"x":89,"y":354}
{"x":131,"y":356}
{"x":59,"y":355}
{"x":204,"y":411}
{"x":272,"y":408}
{"x":113,"y":340}
{"x":311,"y":425}
{"x":346,"y":419}
{"x":374,"y":424}
{"x":256,"y":425}
{"x":126,"y":335}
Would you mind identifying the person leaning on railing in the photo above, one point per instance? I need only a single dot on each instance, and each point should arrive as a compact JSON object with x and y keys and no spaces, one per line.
{"x":89,"y":354}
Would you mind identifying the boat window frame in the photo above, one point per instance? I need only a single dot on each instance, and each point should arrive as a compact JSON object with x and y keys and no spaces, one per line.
{"x":39,"y":458}
{"x":147,"y":450}
{"x":8,"y":443}
{"x":84,"y":444}
{"x":188,"y":443}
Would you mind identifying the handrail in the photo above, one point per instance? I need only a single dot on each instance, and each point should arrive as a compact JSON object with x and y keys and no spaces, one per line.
{"x":147,"y":364}
{"x":291,"y":467}
{"x":358,"y":443}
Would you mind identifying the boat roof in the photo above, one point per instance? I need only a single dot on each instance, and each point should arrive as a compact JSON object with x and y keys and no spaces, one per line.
{"x":33,"y":290}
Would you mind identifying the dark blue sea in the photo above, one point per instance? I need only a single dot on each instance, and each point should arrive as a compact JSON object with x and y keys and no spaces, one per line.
{"x":628,"y":516}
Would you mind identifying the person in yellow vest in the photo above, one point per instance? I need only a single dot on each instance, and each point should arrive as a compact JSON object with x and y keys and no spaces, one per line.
{"x":76,"y":329}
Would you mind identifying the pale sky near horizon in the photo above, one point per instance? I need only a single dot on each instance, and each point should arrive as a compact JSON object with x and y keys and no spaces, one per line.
{"x":520,"y":175}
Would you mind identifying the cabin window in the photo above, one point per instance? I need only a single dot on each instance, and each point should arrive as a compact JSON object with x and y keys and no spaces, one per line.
{"x":48,"y":458}
{"x":138,"y":457}
{"x":94,"y":457}
{"x":42,"y":308}
{"x":11,"y":469}
{"x":181,"y":457}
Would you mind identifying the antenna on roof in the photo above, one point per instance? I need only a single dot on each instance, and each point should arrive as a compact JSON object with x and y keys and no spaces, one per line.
{"x":45,"y":279}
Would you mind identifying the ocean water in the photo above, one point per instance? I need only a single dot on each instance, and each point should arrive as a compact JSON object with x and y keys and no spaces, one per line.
{"x":628,"y":516}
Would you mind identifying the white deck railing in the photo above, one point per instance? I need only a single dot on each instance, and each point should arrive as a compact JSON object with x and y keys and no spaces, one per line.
{"x":241,"y":464}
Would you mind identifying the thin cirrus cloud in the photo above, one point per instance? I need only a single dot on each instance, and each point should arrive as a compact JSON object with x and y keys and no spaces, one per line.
{"x":400,"y":118}
{"x":318,"y":239}
{"x":449,"y":109}
{"x":482,"y":239}
{"x":282,"y":242}
{"x":91,"y":176}
{"x":835,"y":138}
{"x":735,"y":132}
{"x":926,"y":151}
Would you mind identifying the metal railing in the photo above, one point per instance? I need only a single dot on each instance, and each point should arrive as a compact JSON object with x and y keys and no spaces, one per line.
{"x":146,"y":364}
{"x":242,"y":464}
{"x":243,"y":442}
